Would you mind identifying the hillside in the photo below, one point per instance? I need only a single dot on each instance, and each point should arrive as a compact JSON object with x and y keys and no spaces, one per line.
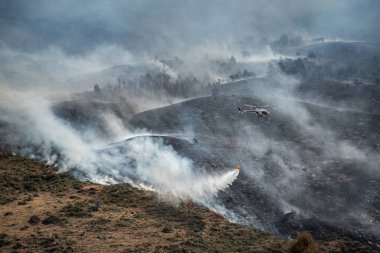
{"x":295,"y":172}
{"x":42,"y":211}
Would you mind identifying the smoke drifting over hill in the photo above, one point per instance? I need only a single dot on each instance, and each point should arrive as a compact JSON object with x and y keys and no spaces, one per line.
{"x":143,"y":162}
{"x":154,"y":27}
{"x":146,"y":92}
{"x":74,"y":37}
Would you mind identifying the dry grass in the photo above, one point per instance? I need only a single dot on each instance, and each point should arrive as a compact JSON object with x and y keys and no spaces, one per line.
{"x":72,"y":216}
{"x":304,"y":243}
{"x":41,"y":211}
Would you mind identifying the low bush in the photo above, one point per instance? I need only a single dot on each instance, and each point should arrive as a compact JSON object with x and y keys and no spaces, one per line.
{"x":34,"y":220}
{"x":77,"y":210}
{"x":52,"y":219}
{"x":304,"y":243}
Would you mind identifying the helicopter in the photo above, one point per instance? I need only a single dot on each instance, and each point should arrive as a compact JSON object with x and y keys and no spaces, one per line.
{"x":259,"y":110}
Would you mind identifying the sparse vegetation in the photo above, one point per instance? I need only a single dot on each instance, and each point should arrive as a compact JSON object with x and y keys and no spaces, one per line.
{"x":77,"y":210}
{"x":98,"y":224}
{"x":167,"y":229}
{"x":34,"y":220}
{"x":52,"y":219}
{"x":4,"y":240}
{"x":304,"y":243}
{"x":123,"y":222}
{"x":26,"y":176}
{"x":65,"y":222}
{"x":56,"y":183}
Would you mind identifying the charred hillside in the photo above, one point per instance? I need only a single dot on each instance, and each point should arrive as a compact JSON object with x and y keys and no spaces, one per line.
{"x":295,"y":173}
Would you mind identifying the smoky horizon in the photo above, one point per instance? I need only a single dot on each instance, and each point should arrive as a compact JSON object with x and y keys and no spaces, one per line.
{"x":266,"y":112}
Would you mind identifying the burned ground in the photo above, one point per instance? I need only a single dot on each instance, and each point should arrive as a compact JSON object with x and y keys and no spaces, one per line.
{"x":331,"y":189}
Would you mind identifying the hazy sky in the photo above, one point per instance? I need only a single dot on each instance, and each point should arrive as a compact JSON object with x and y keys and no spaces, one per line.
{"x":155,"y":26}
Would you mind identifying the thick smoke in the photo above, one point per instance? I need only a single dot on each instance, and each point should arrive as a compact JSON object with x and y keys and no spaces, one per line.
{"x":61,"y":62}
{"x":164,"y":26}
{"x":142,"y":161}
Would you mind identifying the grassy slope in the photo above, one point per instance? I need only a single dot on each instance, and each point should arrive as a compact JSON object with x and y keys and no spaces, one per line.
{"x":41,"y":211}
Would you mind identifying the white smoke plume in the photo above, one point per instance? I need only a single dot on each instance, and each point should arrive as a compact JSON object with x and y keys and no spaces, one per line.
{"x":143,"y":162}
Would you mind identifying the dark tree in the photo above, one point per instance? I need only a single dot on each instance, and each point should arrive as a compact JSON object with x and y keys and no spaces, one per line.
{"x":97,"y":88}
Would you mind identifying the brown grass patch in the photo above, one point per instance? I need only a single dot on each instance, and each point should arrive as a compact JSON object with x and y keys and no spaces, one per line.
{"x":304,"y":243}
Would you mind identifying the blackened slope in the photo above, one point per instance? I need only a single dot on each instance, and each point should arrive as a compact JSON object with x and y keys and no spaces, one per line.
{"x":217,"y":116}
{"x":331,"y":188}
{"x":87,"y":112}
